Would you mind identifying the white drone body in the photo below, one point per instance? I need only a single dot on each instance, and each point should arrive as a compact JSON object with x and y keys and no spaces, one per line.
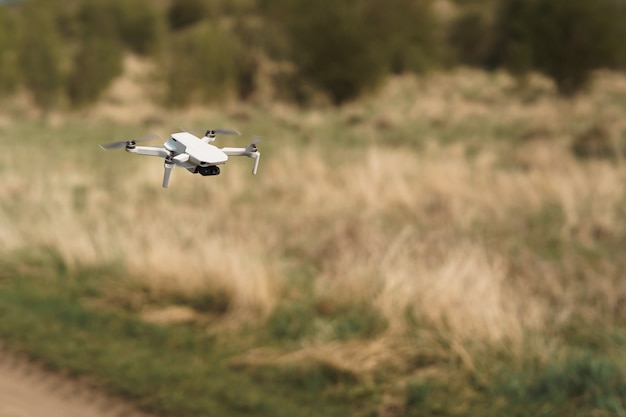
{"x":188,"y":151}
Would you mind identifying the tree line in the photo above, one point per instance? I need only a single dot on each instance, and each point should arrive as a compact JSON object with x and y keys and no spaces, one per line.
{"x":205,"y":49}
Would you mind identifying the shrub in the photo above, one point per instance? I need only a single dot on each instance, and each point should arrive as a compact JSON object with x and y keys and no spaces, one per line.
{"x":96,"y":64}
{"x":564,"y":39}
{"x":98,"y":18}
{"x":9,"y":73}
{"x":141,"y":26}
{"x":202,"y":65}
{"x":98,"y":60}
{"x":407,"y":34}
{"x":183,"y":13}
{"x":39,"y":55}
{"x":470,"y":37}
{"x":334,"y":47}
{"x":135,"y":25}
{"x":346,"y":48}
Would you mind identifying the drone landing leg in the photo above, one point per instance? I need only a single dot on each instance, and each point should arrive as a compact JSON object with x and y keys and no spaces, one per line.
{"x":167,"y":171}
{"x":257,"y":157}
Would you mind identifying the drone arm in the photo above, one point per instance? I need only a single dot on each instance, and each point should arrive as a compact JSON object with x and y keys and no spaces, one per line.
{"x":149,"y":150}
{"x":256,"y":155}
{"x":235,"y":151}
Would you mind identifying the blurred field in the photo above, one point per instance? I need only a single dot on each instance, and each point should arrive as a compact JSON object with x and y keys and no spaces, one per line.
{"x":452,"y":235}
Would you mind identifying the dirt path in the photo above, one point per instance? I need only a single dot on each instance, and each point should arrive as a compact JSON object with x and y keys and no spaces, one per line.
{"x":27,"y":390}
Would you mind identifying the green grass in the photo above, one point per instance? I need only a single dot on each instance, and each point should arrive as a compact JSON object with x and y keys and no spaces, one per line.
{"x":48,"y":311}
{"x":169,"y":370}
{"x":581,"y":384}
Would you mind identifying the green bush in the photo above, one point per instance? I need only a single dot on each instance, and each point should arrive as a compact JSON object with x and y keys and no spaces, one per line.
{"x":98,"y":18}
{"x":135,"y":25}
{"x":98,"y":59}
{"x":202,"y":65}
{"x":105,"y":30}
{"x":470,"y":37}
{"x":334,"y":47}
{"x":564,"y":39}
{"x":97,"y":63}
{"x":9,"y":72}
{"x":408,"y":35}
{"x":141,"y":26}
{"x":183,"y":13}
{"x":346,"y":48}
{"x":39,"y":56}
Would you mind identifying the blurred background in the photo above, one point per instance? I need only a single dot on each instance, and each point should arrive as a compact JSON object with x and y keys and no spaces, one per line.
{"x":437,"y":227}
{"x":203,"y":51}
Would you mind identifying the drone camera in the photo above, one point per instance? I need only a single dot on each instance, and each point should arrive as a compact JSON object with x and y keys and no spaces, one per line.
{"x":206,"y":171}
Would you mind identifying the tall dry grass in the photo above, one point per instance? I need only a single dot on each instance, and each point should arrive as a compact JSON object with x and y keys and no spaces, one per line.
{"x":453,"y":228}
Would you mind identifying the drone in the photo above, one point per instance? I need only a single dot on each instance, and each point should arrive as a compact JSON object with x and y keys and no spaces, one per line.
{"x":197,"y":155}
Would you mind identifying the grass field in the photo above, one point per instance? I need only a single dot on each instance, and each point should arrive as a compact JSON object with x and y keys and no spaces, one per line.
{"x":452,"y":245}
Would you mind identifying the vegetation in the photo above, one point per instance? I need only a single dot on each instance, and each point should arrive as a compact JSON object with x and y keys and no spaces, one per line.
{"x":8,"y":53}
{"x":183,"y":13}
{"x":338,"y":50}
{"x":39,"y":57}
{"x":447,"y":244}
{"x":564,"y":39}
{"x":456,"y":246}
{"x":202,"y":66}
{"x":351,"y":64}
{"x":134,"y":359}
{"x":346,"y":49}
{"x":98,"y":60}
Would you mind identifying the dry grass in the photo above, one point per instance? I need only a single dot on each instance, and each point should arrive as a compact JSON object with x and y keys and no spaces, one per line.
{"x":441,"y":232}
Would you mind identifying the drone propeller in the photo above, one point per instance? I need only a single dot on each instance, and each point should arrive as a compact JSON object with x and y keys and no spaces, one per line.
{"x":209,"y":135}
{"x":129,"y":143}
{"x":252,"y":147}
{"x":213,"y":132}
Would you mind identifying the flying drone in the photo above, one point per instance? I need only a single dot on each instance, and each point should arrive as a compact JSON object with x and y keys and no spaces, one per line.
{"x":197,"y":155}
